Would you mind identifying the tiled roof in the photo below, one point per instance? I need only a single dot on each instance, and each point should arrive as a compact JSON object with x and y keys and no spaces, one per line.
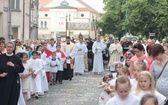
{"x":89,"y":7}
{"x":44,"y":2}
{"x":82,"y":9}
{"x":44,"y":9}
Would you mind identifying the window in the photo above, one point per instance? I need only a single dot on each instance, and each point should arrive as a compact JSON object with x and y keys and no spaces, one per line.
{"x":15,"y":4}
{"x":45,"y":24}
{"x":41,"y":24}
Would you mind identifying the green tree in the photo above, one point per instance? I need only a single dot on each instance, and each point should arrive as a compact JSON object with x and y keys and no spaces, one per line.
{"x":112,"y":20}
{"x":144,"y":17}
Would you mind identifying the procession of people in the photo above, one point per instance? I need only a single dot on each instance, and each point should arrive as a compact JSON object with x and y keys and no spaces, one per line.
{"x":136,"y":71}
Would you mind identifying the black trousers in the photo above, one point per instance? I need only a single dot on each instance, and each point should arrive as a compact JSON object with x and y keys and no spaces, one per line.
{"x":68,"y":72}
{"x":59,"y":76}
{"x":90,"y":64}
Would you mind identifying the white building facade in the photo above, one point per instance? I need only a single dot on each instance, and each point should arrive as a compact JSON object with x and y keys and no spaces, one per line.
{"x":4,"y":18}
{"x":67,"y":18}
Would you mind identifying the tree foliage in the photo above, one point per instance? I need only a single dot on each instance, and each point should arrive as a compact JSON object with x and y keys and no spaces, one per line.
{"x":139,"y":17}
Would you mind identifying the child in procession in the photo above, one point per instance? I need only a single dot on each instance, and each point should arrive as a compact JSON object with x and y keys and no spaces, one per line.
{"x":54,"y":62}
{"x":26,"y":76}
{"x":124,"y":97}
{"x":149,"y":99}
{"x":146,"y":85}
{"x":137,"y":69}
{"x":61,"y":57}
{"x":105,"y":95}
{"x":37,"y":75}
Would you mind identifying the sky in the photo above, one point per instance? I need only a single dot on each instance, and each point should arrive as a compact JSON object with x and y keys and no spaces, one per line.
{"x":97,"y":4}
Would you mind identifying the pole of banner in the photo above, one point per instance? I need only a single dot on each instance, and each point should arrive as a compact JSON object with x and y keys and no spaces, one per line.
{"x":10,"y":32}
{"x":66,"y":25}
{"x":23,"y":27}
{"x":69,"y":22}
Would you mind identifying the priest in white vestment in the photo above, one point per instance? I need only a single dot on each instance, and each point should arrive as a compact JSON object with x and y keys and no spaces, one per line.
{"x":67,"y":48}
{"x":78,"y":52}
{"x":115,"y":52}
{"x":97,"y":49}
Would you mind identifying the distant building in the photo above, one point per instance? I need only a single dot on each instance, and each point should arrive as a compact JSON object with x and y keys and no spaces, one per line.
{"x":24,"y":19}
{"x":66,"y":18}
{"x":3,"y":18}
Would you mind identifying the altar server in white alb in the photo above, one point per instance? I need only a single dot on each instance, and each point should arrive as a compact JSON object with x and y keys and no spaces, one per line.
{"x":123,"y":97}
{"x":52,"y":45}
{"x":37,"y":75}
{"x":60,"y":55}
{"x":97,"y":49}
{"x":78,"y":53}
{"x":54,"y":62}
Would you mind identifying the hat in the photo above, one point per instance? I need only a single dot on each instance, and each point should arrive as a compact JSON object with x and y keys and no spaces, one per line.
{"x":80,"y":36}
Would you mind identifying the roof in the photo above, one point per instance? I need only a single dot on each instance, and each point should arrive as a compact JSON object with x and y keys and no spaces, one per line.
{"x":89,"y":7}
{"x":63,"y":7}
{"x":44,"y":9}
{"x":82,"y":9}
{"x":44,"y":2}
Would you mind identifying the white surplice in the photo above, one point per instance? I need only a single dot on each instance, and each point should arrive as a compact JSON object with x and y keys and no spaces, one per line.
{"x":79,"y":66}
{"x":60,"y":66}
{"x":52,"y":48}
{"x":114,"y":55}
{"x":37,"y":81}
{"x":98,"y":57}
{"x":159,"y":96}
{"x":129,"y":100}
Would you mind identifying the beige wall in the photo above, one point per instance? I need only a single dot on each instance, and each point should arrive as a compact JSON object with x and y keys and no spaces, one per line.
{"x":3,"y":19}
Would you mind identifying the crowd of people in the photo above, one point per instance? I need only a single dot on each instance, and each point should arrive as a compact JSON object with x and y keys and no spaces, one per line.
{"x":137,"y":70}
{"x":140,"y":79}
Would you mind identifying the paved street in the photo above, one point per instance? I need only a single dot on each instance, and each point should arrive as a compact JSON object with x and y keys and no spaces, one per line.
{"x":82,"y":90}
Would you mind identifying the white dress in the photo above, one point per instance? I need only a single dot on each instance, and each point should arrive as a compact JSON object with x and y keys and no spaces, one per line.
{"x":130,"y":100}
{"x":21,"y":100}
{"x":159,"y":96}
{"x":25,"y":82}
{"x":44,"y":77}
{"x":134,"y":83}
{"x":37,"y":81}
{"x":79,"y":66}
{"x":98,"y":57}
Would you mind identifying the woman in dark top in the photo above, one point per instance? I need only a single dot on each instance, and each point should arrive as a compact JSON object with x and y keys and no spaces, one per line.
{"x":10,"y":66}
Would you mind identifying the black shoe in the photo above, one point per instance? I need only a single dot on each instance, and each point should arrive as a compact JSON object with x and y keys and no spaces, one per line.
{"x":70,"y":79}
{"x":36,"y":97}
{"x":60,"y":82}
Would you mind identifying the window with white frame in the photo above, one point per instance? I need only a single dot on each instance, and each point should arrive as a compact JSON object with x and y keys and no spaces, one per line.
{"x":45,"y":24}
{"x":41,"y":24}
{"x":15,"y":4}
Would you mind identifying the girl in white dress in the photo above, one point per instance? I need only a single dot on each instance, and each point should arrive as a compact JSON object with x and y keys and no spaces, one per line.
{"x":149,"y":99}
{"x":26,"y":76}
{"x":137,"y":69}
{"x":105,"y":95}
{"x":146,"y":85}
{"x":37,"y":75}
{"x":124,"y":96}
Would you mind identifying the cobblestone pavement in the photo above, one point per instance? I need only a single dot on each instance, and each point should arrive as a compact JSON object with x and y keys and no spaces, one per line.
{"x":82,"y":90}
